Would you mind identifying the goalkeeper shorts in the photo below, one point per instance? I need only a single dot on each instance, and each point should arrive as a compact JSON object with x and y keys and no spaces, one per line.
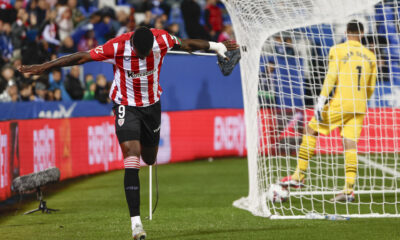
{"x":351,"y":124}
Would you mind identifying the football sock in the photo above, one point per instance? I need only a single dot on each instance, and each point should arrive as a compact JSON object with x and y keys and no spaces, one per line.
{"x":306,"y":152}
{"x":136,"y":221}
{"x":351,"y":169}
{"x":132,"y":191}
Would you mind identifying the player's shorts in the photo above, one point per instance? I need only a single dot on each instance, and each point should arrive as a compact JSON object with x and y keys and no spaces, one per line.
{"x":350,"y":123}
{"x":138,"y":123}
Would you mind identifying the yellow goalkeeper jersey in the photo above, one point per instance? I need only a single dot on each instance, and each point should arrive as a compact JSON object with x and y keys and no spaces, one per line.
{"x":351,"y":75}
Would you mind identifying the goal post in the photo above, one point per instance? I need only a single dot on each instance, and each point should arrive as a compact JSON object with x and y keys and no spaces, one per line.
{"x":285,"y":49}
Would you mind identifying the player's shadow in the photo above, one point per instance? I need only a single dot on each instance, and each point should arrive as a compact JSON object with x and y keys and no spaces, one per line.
{"x":204,"y":97}
{"x":206,"y":232}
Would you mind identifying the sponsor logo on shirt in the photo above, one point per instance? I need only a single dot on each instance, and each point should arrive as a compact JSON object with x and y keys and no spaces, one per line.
{"x":138,"y":75}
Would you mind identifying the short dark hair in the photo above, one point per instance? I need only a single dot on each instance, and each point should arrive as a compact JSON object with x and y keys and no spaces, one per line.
{"x":355,"y":26}
{"x":142,"y":39}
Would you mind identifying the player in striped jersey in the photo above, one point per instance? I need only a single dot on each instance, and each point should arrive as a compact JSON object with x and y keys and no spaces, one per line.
{"x":137,"y":58}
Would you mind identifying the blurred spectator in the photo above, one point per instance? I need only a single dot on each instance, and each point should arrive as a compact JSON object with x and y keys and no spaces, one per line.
{"x":8,"y":12}
{"x":376,"y":44}
{"x":6,"y":47}
{"x":173,"y":29}
{"x":73,"y":84}
{"x":191,"y":12}
{"x":64,"y":22}
{"x":283,"y":45}
{"x":123,"y":20}
{"x":213,"y":19}
{"x":10,"y":94}
{"x":18,"y":29}
{"x":26,"y":92}
{"x":226,"y":34}
{"x":95,"y":23}
{"x":68,"y":46}
{"x":55,"y":81}
{"x":57,"y":95}
{"x":49,"y":33}
{"x":87,"y":42}
{"x":156,"y":9}
{"x":77,"y":15}
{"x":87,"y":7}
{"x":159,"y":23}
{"x":112,"y":24}
{"x":41,"y":92}
{"x":40,"y":10}
{"x":7,"y":74}
{"x":90,"y":87}
{"x":101,"y":92}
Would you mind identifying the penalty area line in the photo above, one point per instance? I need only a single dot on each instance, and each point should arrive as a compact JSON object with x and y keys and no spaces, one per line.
{"x":384,"y":169}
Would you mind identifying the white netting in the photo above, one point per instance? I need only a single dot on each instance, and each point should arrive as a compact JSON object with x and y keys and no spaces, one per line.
{"x":285,"y":46}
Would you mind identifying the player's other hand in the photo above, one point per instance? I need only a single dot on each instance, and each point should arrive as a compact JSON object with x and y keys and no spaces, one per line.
{"x":319,"y":108}
{"x":35,"y":69}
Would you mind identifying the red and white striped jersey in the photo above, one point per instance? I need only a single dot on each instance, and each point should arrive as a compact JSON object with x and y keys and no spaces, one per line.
{"x":136,"y":81}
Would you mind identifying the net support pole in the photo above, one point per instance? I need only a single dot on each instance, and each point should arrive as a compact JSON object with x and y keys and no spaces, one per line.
{"x":150,"y":192}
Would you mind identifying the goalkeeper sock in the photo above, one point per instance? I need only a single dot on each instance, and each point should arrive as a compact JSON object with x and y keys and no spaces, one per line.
{"x":132,"y":191}
{"x":306,"y":152}
{"x":351,"y":169}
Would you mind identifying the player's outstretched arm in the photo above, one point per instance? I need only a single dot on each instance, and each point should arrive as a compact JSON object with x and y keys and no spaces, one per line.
{"x":191,"y":45}
{"x":68,"y":60}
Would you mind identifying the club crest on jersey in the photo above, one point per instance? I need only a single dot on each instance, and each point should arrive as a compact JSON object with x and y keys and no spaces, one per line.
{"x":121,"y":121}
{"x":127,"y":58}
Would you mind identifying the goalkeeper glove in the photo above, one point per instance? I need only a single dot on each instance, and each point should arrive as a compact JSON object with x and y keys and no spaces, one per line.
{"x":319,"y":107}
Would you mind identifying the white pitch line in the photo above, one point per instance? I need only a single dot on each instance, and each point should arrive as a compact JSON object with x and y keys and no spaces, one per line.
{"x":379,"y":166}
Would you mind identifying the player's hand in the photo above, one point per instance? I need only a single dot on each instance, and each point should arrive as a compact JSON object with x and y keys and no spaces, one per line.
{"x":230,"y":45}
{"x":319,"y":107}
{"x":35,"y":69}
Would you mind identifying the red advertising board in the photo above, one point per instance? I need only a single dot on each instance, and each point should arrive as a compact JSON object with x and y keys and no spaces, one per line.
{"x":6,"y":169}
{"x":80,"y":146}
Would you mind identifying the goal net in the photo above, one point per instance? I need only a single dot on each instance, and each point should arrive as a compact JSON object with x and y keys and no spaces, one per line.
{"x":285,"y":48}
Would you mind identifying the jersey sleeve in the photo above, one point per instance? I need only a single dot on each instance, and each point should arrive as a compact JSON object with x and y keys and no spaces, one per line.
{"x":173,"y":41}
{"x":332,"y":74}
{"x":176,"y":42}
{"x":104,"y":52}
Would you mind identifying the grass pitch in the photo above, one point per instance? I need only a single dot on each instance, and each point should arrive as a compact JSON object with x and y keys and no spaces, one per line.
{"x":195,"y":203}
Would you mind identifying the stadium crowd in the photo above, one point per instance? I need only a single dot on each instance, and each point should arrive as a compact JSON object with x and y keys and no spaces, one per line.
{"x":35,"y":31}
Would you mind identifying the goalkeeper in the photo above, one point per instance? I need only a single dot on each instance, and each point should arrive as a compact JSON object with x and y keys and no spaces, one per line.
{"x":350,"y":81}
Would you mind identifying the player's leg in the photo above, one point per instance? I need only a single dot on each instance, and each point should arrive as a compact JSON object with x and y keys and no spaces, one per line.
{"x":306,"y":152}
{"x":127,"y":125}
{"x":350,"y":156}
{"x":150,"y":133}
{"x":131,"y":151}
{"x":332,"y":119}
{"x":351,"y":132}
{"x":149,"y":154}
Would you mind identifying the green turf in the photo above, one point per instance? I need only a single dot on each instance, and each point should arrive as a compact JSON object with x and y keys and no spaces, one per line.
{"x":327,"y":173}
{"x":195,"y":203}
